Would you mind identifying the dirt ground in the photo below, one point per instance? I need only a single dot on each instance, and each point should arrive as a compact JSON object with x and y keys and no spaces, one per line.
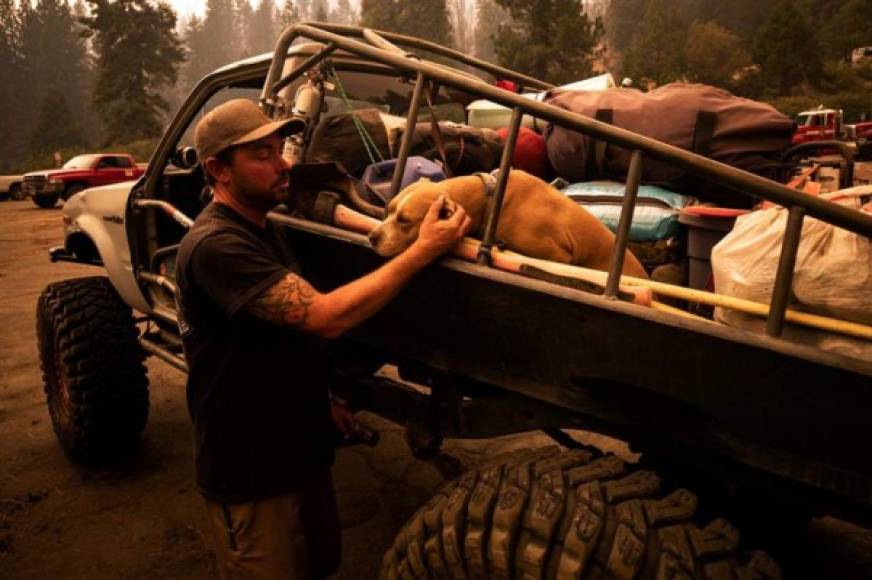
{"x":143,"y":519}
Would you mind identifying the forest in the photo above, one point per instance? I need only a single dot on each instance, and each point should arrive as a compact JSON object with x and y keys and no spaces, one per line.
{"x":109,"y":73}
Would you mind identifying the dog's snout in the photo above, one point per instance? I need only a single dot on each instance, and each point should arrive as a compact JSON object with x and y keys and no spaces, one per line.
{"x":374,"y":237}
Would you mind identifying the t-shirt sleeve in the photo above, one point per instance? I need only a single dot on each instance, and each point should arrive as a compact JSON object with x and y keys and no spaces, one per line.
{"x":232,"y":270}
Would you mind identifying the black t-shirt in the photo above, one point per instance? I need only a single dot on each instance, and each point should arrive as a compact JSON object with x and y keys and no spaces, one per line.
{"x":257,"y":392}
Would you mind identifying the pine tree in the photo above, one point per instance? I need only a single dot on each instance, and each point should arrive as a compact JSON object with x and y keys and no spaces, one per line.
{"x":656,"y":52}
{"x":427,"y":19}
{"x":489,"y":17}
{"x":714,"y":55}
{"x":56,"y":127}
{"x":343,"y":13}
{"x":289,"y":14}
{"x":786,"y":50}
{"x":53,"y":57}
{"x":549,"y":39}
{"x":11,"y":126}
{"x":138,"y":54}
{"x":263,"y":30}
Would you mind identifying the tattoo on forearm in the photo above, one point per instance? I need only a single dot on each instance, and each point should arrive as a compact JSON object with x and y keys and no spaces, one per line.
{"x":286,"y":302}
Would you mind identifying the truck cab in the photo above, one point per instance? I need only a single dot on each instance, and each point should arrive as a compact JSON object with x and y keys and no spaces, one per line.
{"x":80,"y":172}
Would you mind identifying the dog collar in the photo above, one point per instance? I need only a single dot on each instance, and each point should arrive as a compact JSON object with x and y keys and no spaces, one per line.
{"x":489,"y":180}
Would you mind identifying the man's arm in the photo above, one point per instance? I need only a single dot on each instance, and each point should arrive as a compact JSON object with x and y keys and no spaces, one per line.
{"x":293,"y":302}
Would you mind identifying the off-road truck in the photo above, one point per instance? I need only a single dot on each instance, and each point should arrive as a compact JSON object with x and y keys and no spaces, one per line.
{"x":743,"y":416}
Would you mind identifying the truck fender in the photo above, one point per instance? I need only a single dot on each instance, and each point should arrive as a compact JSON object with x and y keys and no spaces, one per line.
{"x":110,"y":238}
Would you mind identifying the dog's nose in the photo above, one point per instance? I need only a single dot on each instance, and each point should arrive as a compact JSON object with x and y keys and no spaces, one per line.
{"x":374,"y":237}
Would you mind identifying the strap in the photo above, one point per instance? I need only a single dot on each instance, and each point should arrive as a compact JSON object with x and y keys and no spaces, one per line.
{"x":597,"y":161}
{"x":703,"y":132}
{"x":489,"y":181}
{"x":436,"y":131}
{"x":369,"y":143}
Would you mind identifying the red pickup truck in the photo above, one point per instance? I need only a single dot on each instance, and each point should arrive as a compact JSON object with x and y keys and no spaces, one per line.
{"x":80,"y":172}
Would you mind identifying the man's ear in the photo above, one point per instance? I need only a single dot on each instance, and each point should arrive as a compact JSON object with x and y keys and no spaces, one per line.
{"x":219,"y":171}
{"x":448,"y":209}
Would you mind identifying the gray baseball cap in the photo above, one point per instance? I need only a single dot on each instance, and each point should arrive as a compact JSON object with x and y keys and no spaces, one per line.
{"x":234,"y":123}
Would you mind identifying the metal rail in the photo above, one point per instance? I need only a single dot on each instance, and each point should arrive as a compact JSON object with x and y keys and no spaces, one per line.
{"x":383,"y":49}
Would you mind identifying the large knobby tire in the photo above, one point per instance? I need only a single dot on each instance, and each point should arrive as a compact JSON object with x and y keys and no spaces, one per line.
{"x":46,"y":201}
{"x":544,"y":513}
{"x":95,"y":380}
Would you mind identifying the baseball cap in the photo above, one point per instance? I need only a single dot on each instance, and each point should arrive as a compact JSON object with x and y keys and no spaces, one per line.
{"x":233,"y":123}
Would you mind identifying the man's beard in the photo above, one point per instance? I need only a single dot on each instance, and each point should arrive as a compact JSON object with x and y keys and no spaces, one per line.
{"x":264,"y":199}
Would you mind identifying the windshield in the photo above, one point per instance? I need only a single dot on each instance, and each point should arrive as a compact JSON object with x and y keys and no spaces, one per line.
{"x":81,"y":162}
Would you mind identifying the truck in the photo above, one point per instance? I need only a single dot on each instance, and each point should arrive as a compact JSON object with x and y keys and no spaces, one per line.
{"x":823,"y":124}
{"x":767,"y":431}
{"x":10,"y":187}
{"x":82,"y":171}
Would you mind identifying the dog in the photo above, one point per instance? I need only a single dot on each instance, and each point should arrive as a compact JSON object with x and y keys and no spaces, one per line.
{"x":535,"y":220}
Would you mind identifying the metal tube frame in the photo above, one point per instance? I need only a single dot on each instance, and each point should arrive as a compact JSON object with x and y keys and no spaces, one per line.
{"x":406,"y":141}
{"x":382,"y":48}
{"x":269,"y":104}
{"x":493,"y":217}
{"x":835,"y":214}
{"x":622,"y":235}
{"x":784,"y":276}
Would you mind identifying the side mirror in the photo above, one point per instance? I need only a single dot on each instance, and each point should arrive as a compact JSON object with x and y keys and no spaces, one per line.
{"x":185,"y":158}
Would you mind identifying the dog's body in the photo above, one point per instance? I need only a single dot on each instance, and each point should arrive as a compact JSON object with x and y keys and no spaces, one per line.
{"x":536,"y":220}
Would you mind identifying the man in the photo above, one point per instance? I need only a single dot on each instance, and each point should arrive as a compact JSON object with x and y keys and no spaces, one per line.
{"x":252,"y":329}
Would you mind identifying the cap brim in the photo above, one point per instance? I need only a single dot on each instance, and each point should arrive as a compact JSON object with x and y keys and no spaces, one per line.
{"x":283,"y":127}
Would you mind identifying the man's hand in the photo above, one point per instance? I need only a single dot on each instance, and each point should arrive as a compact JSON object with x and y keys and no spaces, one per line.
{"x":437,"y":236}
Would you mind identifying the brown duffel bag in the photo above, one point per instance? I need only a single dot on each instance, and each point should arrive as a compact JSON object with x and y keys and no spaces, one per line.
{"x":709,"y":121}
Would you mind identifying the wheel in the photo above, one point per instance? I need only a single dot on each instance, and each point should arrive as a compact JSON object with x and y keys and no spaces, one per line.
{"x":15,"y":192}
{"x":4,"y":196}
{"x":71,"y":191}
{"x":544,"y":513}
{"x":95,"y":380}
{"x":46,"y":201}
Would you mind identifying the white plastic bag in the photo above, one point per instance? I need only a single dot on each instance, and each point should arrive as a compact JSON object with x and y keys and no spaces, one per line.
{"x":833,"y":273}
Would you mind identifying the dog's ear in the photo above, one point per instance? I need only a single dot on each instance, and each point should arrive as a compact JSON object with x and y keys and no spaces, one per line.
{"x":448,"y":209}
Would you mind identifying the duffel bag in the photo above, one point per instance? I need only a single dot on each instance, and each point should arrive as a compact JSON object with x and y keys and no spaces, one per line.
{"x":338,"y":138}
{"x":709,"y":121}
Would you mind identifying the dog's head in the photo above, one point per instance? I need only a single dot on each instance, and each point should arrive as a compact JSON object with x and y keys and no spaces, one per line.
{"x":404,"y":216}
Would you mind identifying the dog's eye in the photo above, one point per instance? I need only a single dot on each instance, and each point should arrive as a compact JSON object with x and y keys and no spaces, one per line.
{"x":403,"y":220}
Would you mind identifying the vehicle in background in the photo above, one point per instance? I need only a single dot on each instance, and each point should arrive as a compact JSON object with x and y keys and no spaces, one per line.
{"x":827,"y":125}
{"x":10,"y":187}
{"x":861,"y":55}
{"x":80,"y":172}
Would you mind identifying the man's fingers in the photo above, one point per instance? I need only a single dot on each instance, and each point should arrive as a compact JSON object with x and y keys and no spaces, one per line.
{"x":434,"y":209}
{"x":467,"y":224}
{"x":457,"y":219}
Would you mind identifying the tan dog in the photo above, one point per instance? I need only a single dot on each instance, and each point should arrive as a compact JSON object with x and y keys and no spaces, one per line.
{"x":536,"y":220}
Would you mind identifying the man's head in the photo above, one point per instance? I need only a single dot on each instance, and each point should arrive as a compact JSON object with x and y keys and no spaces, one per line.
{"x":240,"y":149}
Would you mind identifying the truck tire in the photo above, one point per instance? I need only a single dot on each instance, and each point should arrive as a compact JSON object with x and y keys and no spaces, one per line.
{"x":544,"y":513}
{"x":95,"y":380}
{"x":15,"y":192}
{"x":46,"y":201}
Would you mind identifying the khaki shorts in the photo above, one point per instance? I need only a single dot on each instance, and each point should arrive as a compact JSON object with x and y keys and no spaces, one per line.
{"x":295,"y":535}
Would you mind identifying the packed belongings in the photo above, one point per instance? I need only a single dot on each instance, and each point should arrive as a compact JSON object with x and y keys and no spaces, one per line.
{"x":357,"y":139}
{"x":833,"y":272}
{"x":709,"y":121}
{"x":656,"y":214}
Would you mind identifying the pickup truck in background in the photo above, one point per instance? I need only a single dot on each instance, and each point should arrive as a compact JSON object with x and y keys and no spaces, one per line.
{"x":10,"y":187}
{"x":80,"y":172}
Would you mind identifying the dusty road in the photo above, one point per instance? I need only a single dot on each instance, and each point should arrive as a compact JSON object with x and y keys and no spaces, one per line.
{"x":143,"y":519}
